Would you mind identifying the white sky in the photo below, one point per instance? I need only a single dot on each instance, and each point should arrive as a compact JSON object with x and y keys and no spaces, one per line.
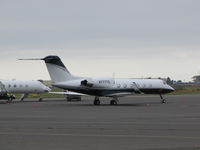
{"x":130,"y":38}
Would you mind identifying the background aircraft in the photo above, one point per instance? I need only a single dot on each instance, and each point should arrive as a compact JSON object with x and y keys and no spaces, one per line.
{"x":24,"y":87}
{"x":101,"y":87}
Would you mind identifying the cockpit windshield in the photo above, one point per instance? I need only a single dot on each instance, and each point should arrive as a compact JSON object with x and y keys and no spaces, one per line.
{"x":164,"y":82}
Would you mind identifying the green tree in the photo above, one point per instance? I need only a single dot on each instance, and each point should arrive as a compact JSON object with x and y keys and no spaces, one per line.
{"x":196,"y":79}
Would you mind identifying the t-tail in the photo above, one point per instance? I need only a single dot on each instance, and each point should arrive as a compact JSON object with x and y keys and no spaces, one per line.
{"x":57,"y":70}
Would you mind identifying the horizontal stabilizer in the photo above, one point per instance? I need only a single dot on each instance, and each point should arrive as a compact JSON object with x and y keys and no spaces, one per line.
{"x":57,"y":70}
{"x":32,"y":59}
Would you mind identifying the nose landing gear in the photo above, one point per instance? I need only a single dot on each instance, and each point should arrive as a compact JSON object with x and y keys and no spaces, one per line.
{"x":162,"y":99}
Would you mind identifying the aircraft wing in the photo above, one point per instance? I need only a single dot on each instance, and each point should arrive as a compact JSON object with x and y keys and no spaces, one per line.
{"x":120,"y":94}
{"x":67,"y":93}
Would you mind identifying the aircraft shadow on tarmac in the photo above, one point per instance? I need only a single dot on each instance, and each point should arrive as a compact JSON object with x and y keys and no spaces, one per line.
{"x":31,"y":101}
{"x":80,"y":103}
{"x":121,"y":104}
{"x":3,"y":102}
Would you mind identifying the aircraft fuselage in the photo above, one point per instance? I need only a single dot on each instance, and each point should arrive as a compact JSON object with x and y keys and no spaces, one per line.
{"x":107,"y":86}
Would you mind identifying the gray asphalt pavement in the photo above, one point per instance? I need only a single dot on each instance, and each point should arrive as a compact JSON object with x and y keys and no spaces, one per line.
{"x":140,"y":123}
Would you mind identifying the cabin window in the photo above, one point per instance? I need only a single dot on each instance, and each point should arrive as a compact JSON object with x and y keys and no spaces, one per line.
{"x":118,"y":85}
{"x":15,"y":86}
{"x":125,"y":86}
{"x":131,"y":86}
{"x":9,"y":86}
{"x":26,"y":86}
{"x":21,"y":86}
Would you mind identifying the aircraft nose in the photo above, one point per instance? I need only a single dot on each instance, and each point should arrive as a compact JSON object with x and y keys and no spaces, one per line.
{"x":171,"y":88}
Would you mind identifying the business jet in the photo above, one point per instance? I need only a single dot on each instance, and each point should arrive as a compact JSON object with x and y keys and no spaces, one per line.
{"x":24,"y":87}
{"x":101,"y":87}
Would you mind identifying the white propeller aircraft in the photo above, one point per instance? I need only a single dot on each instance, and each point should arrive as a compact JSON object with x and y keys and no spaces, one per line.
{"x":101,"y":87}
{"x":24,"y":87}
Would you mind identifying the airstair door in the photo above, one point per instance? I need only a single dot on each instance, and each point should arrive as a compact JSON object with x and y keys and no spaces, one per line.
{"x":136,"y":89}
{"x":2,"y":88}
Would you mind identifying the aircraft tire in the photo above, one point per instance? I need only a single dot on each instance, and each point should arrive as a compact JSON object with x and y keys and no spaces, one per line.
{"x":113,"y":102}
{"x":97,"y":102}
{"x":164,"y":101}
{"x":10,"y":100}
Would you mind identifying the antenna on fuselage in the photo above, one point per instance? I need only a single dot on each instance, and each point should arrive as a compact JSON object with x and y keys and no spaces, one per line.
{"x":113,"y":75}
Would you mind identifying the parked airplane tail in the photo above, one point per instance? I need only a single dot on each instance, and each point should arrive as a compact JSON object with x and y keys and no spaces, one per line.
{"x":57,"y":70}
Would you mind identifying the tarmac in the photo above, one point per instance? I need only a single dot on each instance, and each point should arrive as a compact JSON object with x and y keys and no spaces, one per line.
{"x":136,"y":123}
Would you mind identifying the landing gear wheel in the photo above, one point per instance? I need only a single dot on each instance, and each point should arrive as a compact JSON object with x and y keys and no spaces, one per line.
{"x":113,"y":102}
{"x":10,"y":100}
{"x":96,"y":102}
{"x":164,"y":101}
{"x":40,"y":100}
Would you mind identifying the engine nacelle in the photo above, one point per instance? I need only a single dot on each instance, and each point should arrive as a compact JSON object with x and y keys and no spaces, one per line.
{"x":86,"y":83}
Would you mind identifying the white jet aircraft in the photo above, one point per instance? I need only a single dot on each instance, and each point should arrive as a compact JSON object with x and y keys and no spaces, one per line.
{"x":101,"y":87}
{"x":24,"y":87}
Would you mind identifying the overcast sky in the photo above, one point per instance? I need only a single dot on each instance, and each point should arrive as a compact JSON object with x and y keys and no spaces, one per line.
{"x":127,"y":38}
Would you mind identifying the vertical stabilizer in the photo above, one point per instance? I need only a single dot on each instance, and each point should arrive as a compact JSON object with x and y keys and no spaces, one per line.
{"x":57,"y":70}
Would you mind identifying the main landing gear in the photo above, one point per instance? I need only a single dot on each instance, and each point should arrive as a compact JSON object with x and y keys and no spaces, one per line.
{"x":23,"y":97}
{"x":114,"y":101}
{"x":40,"y":99}
{"x":10,"y":98}
{"x":162,"y":99}
{"x":97,"y":101}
